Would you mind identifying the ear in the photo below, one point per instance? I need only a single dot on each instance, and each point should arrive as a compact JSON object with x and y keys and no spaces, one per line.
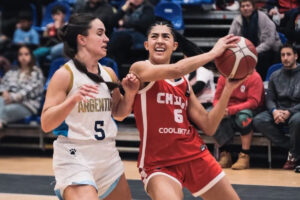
{"x":175,"y":46}
{"x":81,"y":39}
{"x":146,"y":45}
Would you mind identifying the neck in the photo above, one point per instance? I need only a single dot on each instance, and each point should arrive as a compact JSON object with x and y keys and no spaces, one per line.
{"x":24,"y":68}
{"x":91,"y":62}
{"x":160,"y":62}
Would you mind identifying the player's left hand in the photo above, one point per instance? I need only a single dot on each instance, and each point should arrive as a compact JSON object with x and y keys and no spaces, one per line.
{"x":131,"y":83}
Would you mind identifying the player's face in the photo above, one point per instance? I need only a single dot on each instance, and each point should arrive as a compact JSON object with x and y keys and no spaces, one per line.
{"x":24,"y":56}
{"x":160,"y":44}
{"x":246,"y":9}
{"x":96,"y":41}
{"x":288,"y":58}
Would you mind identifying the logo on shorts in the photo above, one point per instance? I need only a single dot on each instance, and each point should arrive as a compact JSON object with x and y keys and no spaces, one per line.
{"x":203,"y":147}
{"x":72,"y":151}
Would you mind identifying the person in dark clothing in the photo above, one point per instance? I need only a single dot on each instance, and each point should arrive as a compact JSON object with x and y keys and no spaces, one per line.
{"x":283,"y":107}
{"x":131,"y":22}
{"x":257,"y":27}
{"x":101,"y":9}
{"x":288,"y":24}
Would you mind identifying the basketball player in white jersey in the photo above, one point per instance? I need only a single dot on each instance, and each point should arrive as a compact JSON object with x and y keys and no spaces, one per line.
{"x":172,"y":154}
{"x":81,"y":99}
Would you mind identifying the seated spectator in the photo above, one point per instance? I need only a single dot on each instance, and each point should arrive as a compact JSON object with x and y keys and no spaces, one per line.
{"x":52,"y":47}
{"x":244,"y":103}
{"x":21,"y":89}
{"x":261,"y":31}
{"x":283,"y":107}
{"x":288,"y":23}
{"x":58,"y":14}
{"x":25,"y":34}
{"x":102,"y":9}
{"x":201,"y":80}
{"x":131,"y":22}
{"x":202,"y":83}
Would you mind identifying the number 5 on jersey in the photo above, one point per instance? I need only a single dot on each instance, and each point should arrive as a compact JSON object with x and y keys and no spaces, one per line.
{"x":100,"y":132}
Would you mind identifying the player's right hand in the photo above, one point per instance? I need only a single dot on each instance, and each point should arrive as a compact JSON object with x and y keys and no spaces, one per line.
{"x":223,"y":44}
{"x":84,"y":91}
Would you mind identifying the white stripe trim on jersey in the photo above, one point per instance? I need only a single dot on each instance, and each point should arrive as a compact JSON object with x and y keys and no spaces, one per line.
{"x":145,"y":89}
{"x":174,"y":83}
{"x":160,"y":173}
{"x":144,"y":115}
{"x":209,"y":185}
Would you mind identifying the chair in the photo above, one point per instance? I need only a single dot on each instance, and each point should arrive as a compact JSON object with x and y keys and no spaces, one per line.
{"x":34,"y":15}
{"x":106,"y":61}
{"x":172,"y":12}
{"x":272,"y":69}
{"x":282,"y":38}
{"x":47,"y":18}
{"x":194,"y":2}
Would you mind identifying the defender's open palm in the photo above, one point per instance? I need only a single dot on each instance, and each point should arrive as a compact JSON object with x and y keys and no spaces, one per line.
{"x":85,"y":91}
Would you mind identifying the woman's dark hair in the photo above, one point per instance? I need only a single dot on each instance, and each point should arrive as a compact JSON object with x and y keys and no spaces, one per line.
{"x":289,"y":45}
{"x":79,"y":23}
{"x":186,"y":46}
{"x":162,"y":23}
{"x":32,"y":61}
{"x":58,"y":8}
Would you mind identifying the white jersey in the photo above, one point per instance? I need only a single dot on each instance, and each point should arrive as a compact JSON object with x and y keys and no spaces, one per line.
{"x":89,"y":120}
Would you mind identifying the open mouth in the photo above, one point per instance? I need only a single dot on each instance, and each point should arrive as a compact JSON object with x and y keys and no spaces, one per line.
{"x":159,"y":49}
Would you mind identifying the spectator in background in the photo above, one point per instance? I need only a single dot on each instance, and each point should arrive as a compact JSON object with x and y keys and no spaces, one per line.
{"x":283,"y":107}
{"x":282,"y":5}
{"x":202,"y":79}
{"x":25,"y":34}
{"x":21,"y":89}
{"x":131,"y":22}
{"x":52,"y":46}
{"x":261,"y":31}
{"x":244,"y":103}
{"x":101,"y":9}
{"x":202,"y":82}
{"x":58,"y":14}
{"x":288,"y":23}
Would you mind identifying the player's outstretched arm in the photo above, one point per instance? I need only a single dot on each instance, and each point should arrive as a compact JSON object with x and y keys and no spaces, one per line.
{"x":122,"y":105}
{"x":208,"y":122}
{"x":149,"y":72}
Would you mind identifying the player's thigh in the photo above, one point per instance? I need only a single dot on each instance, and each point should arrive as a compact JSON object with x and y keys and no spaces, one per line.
{"x":221,"y":191}
{"x":80,"y":192}
{"x":161,"y":187}
{"x":121,"y":191}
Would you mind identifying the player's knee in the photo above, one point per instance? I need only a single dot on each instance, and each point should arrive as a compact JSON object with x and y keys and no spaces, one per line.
{"x":243,"y":121}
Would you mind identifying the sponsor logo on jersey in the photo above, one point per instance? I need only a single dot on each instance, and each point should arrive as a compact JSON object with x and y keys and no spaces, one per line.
{"x":95,"y":105}
{"x":171,"y":99}
{"x":171,"y":130}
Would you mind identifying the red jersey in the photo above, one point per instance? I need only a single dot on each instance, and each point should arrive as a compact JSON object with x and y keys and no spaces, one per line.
{"x":167,"y":136}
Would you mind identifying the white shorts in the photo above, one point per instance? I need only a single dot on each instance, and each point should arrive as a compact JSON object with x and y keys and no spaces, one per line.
{"x":95,"y":163}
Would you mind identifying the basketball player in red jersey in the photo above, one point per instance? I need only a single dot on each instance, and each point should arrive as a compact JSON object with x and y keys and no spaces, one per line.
{"x":172,"y":154}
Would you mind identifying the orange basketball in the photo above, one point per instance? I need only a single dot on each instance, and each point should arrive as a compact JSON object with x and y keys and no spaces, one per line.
{"x":237,"y":62}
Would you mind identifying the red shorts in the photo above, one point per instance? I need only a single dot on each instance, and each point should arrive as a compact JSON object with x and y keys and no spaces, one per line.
{"x":198,"y":176}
